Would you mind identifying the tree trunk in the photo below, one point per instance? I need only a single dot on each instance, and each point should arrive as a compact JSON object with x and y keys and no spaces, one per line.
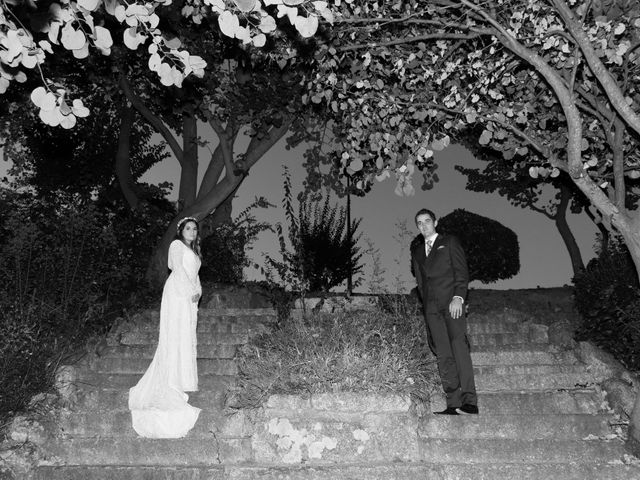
{"x":127,"y":183}
{"x":565,"y":231}
{"x":189,"y":165}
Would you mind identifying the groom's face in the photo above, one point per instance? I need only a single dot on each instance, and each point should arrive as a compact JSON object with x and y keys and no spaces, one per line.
{"x":426,"y":225}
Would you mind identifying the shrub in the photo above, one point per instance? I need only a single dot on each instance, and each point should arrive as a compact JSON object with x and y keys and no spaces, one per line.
{"x":607,"y":296}
{"x":493,"y":252}
{"x":347,"y":352}
{"x":324,"y":252}
{"x":224,"y":248}
{"x":67,"y":268}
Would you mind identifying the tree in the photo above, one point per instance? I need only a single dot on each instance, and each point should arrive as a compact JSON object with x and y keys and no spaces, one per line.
{"x":554,"y":89}
{"x":493,"y":252}
{"x":549,"y":198}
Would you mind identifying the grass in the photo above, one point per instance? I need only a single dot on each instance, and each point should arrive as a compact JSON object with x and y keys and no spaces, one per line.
{"x":369,"y":352}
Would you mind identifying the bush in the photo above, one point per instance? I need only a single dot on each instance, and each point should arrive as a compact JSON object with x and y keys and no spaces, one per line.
{"x":345,"y":352}
{"x":493,"y":252}
{"x":324,"y":251}
{"x":607,"y":296}
{"x":224,"y":248}
{"x":67,"y":269}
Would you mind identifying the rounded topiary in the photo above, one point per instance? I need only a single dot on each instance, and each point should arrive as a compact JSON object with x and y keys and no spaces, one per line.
{"x":493,"y":251}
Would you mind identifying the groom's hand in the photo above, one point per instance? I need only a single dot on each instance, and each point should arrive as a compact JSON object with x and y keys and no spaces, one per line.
{"x":455,"y":307}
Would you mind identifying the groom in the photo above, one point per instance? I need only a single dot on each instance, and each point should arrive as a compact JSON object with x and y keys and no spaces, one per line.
{"x":440,"y":267}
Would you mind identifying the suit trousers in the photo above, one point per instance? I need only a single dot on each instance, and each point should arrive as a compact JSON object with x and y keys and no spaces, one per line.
{"x":450,"y":344}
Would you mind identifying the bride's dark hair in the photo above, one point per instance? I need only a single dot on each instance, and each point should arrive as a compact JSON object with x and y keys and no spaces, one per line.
{"x":195,"y":245}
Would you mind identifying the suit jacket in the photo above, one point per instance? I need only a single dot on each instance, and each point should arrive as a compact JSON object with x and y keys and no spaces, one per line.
{"x":443,"y":274}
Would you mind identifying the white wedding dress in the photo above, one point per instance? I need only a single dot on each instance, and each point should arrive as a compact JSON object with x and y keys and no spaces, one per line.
{"x":158,"y":404}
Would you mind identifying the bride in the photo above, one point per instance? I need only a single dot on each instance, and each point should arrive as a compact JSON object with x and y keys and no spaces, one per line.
{"x":158,"y":404}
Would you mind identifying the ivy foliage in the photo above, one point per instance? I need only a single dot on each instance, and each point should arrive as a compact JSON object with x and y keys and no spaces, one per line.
{"x":607,"y":296}
{"x":493,"y":252}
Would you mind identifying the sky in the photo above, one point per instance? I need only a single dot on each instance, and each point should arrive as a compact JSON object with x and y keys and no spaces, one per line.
{"x":543,"y":256}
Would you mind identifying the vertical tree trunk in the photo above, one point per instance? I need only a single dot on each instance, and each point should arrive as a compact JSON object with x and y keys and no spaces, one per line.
{"x":126,"y":181}
{"x":189,"y":164}
{"x":565,"y":232}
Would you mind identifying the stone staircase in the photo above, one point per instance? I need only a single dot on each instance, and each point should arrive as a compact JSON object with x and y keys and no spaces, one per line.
{"x":541,"y":417}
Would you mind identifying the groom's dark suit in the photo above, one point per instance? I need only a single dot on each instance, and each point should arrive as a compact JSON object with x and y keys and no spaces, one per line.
{"x":441,"y":276}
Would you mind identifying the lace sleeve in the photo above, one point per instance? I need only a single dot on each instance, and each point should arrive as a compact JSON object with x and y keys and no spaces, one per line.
{"x":185,"y":286}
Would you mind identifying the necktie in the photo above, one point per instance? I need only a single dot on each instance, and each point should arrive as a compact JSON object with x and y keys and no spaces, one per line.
{"x":429,"y":245}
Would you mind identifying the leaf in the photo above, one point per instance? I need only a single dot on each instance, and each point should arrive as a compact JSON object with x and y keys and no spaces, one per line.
{"x":173,"y":43}
{"x":292,"y":3}
{"x":555,"y":172}
{"x":45,"y":45}
{"x":533,"y":172}
{"x":307,"y":26}
{"x":72,"y":39}
{"x":217,"y":6}
{"x":103,"y":39}
{"x":110,"y":6}
{"x":259,"y":40}
{"x":39,"y":98}
{"x":165,"y":74}
{"x":243,"y":34}
{"x":120,"y":13}
{"x":438,"y":145}
{"x":245,"y":5}
{"x":154,"y":62}
{"x":228,"y":23}
{"x":79,"y":110}
{"x":485,"y":137}
{"x":50,"y":117}
{"x":619,"y":29}
{"x":132,"y":39}
{"x":4,"y":84}
{"x":267,"y":24}
{"x":68,"y":121}
{"x":356,"y":165}
{"x":89,"y":5}
{"x":81,"y":52}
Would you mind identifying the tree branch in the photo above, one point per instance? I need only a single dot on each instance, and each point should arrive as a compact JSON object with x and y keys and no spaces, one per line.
{"x":600,"y":71}
{"x":151,"y":118}
{"x":407,"y":40}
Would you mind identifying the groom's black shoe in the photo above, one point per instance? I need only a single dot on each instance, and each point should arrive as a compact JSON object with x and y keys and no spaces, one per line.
{"x":448,"y":411}
{"x":468,"y":409}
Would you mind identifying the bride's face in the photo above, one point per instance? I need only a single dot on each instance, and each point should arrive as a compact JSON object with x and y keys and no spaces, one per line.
{"x":190,"y":232}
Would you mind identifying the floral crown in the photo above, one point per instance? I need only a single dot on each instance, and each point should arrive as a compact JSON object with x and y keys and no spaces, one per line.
{"x":185,"y":220}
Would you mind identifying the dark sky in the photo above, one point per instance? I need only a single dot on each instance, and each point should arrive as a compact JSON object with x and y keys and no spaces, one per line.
{"x":543,"y":256}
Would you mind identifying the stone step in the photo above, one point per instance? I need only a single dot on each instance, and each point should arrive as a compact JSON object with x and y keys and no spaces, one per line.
{"x":476,"y":328}
{"x":190,"y":451}
{"x":568,"y":402}
{"x":535,"y":381}
{"x":493,"y":450}
{"x":206,"y":366}
{"x":97,"y":381}
{"x":504,"y":471}
{"x":118,"y":423}
{"x":521,"y":357}
{"x":216,"y":324}
{"x":514,"y":338}
{"x":529,"y":369}
{"x":151,"y":338}
{"x":526,"y":427}
{"x":92,"y":399}
{"x":147,"y":351}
